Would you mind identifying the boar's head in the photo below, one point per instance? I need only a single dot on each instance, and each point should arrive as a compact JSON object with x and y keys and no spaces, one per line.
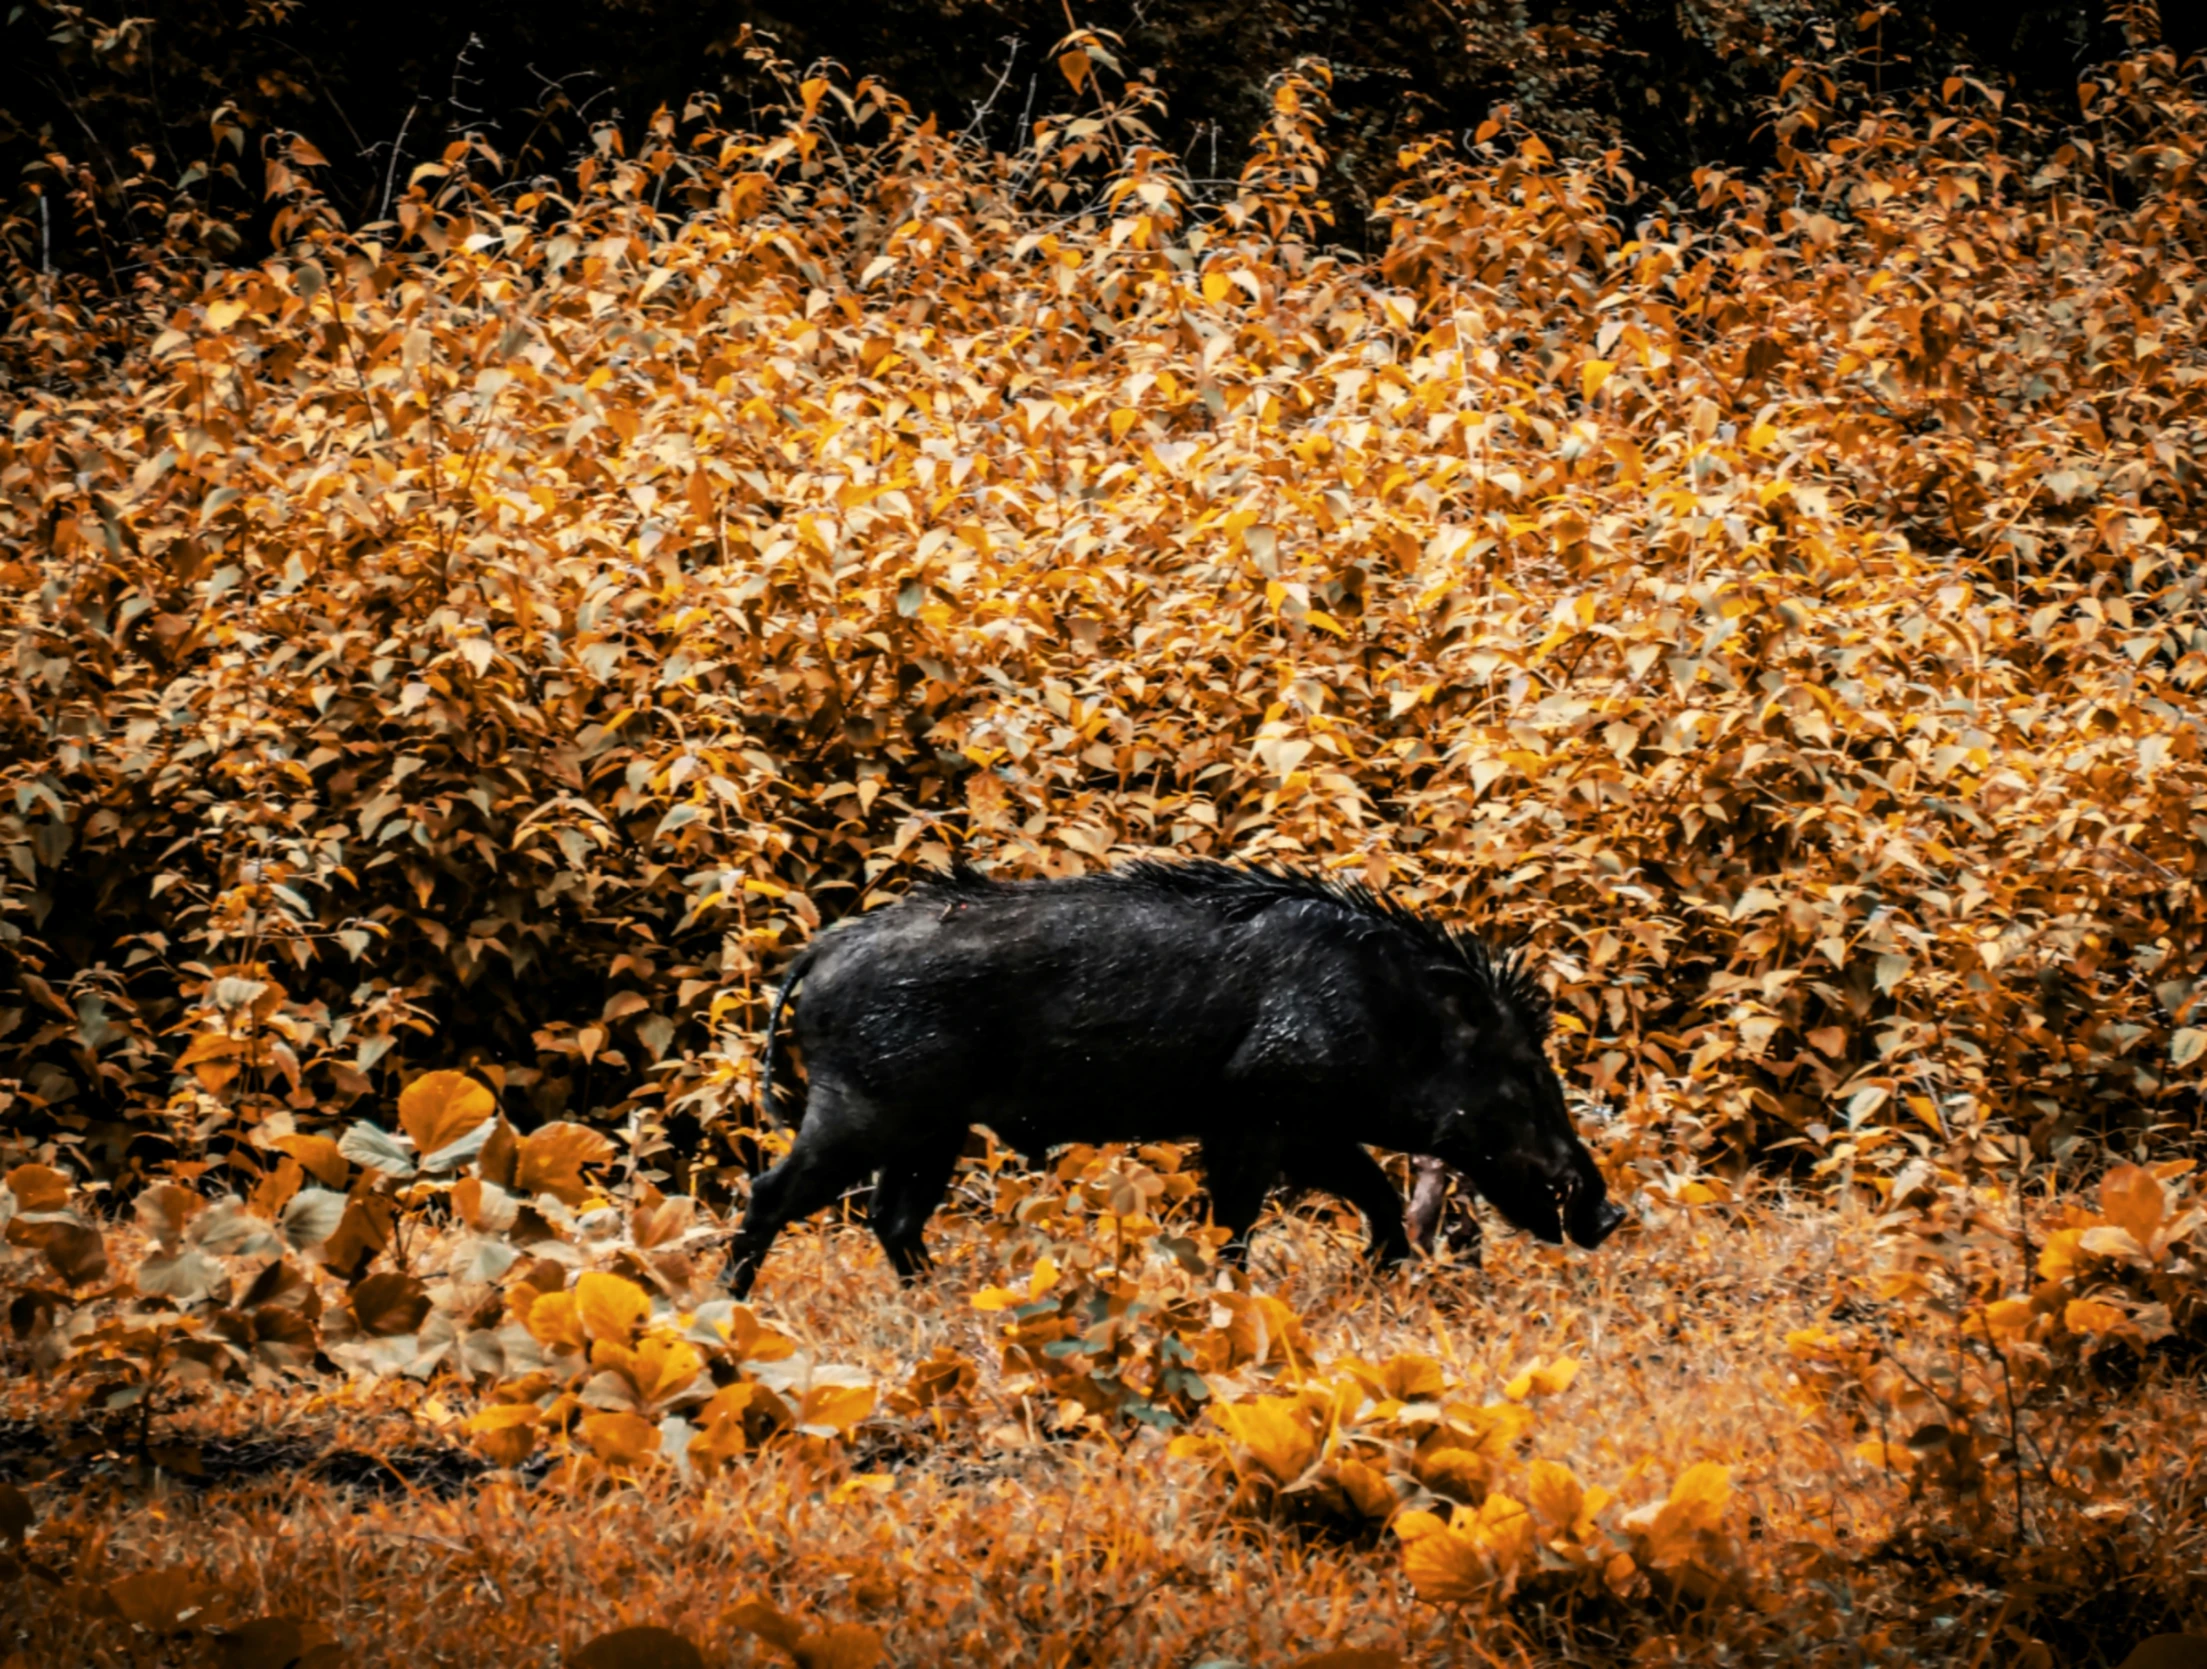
{"x":1502,"y":1120}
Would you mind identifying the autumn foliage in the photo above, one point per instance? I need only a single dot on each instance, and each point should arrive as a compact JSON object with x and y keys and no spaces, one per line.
{"x":453,"y":662}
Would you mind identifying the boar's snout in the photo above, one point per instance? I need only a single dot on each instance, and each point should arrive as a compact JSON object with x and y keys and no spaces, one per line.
{"x":1591,"y":1228}
{"x":1590,"y":1216}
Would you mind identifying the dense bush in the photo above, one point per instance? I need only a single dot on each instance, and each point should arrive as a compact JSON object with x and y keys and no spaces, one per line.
{"x":498,"y":640}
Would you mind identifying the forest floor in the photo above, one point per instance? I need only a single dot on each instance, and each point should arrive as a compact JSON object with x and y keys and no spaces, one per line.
{"x":981,"y":1534}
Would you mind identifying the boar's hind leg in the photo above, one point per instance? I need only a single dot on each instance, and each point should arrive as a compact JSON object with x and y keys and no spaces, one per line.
{"x":906,"y":1196}
{"x":1237,"y":1174}
{"x":1348,"y":1171}
{"x":815,"y":1175}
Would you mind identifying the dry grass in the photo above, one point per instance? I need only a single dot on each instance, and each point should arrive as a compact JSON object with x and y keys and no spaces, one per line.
{"x":982,"y":1540}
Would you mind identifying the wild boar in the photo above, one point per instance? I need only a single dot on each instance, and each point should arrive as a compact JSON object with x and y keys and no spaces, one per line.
{"x":1280,"y":1019}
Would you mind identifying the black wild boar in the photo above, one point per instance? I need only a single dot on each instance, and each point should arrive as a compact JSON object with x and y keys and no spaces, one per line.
{"x":1279,"y":1019}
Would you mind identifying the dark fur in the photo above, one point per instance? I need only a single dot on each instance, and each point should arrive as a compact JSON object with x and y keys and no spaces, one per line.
{"x":1281,"y":1018}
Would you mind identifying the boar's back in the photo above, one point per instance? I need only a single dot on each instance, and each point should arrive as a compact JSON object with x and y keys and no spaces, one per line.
{"x":1112,"y":1008}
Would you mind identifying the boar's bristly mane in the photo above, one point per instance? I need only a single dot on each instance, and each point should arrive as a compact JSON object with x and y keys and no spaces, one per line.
{"x":1238,"y":892}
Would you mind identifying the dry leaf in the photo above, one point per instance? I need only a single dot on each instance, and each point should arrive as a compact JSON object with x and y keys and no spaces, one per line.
{"x":644,"y":1647}
{"x":439,"y":1108}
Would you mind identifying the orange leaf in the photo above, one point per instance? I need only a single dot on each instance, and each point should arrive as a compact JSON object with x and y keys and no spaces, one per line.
{"x":2132,"y":1198}
{"x":552,"y":1157}
{"x":639,"y":1648}
{"x":160,"y":1601}
{"x":38,"y":1188}
{"x":768,"y":1623}
{"x":845,"y":1646}
{"x":319,"y":1155}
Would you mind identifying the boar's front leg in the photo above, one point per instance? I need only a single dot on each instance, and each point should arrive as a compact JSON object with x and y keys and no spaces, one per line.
{"x":1430,"y":1199}
{"x":1344,"y":1169}
{"x":906,"y":1196}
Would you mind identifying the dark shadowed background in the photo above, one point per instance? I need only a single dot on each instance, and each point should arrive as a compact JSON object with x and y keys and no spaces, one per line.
{"x":182,"y":91}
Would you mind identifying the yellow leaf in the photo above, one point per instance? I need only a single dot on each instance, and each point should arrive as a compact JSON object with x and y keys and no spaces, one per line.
{"x":2058,"y":1258}
{"x":1410,"y":1377}
{"x":1494,"y":1427}
{"x":207,"y":1046}
{"x":1504,"y":1530}
{"x":1366,"y":1487}
{"x":1122,"y":420}
{"x":657,"y":1368}
{"x":1556,"y":1496}
{"x":1540,"y":1379}
{"x":609,"y":1307}
{"x":832,"y":1410}
{"x":2092,"y":1316}
{"x":1890,"y":1456}
{"x":2008,"y":1319}
{"x":506,"y":1432}
{"x":438,"y":1108}
{"x":1458,"y":1473}
{"x":552,"y":1320}
{"x":1445,"y":1566}
{"x":1275,"y":1432}
{"x":1592,"y":375}
{"x":621,"y":1439}
{"x":1216,"y":286}
{"x":1695,"y":1509}
{"x":751,"y":1340}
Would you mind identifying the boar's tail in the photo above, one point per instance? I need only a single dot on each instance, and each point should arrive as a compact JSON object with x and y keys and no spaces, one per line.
{"x":774,"y":1109}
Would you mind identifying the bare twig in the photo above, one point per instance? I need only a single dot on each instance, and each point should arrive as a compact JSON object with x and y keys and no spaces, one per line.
{"x":390,"y":173}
